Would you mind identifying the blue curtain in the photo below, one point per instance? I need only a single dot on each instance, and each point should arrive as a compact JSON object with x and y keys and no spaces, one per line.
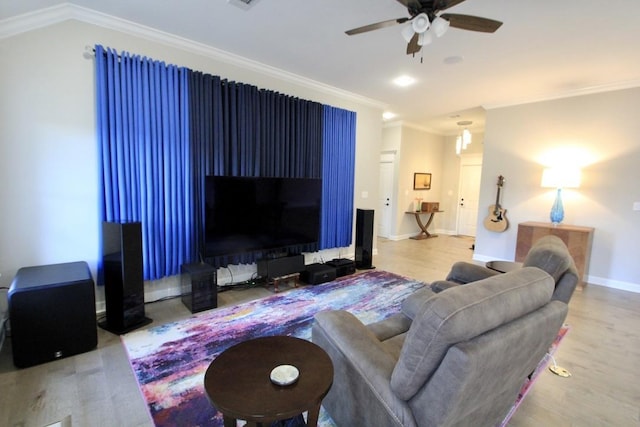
{"x":338,"y":168}
{"x":143,"y":135}
{"x":162,"y":129}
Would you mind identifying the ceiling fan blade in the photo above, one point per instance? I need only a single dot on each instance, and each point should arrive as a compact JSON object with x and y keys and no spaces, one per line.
{"x":472,"y":23}
{"x":376,"y":26}
{"x":413,"y":46}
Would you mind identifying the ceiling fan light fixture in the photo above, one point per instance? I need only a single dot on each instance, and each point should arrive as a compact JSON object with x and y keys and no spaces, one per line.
{"x":439,"y":26}
{"x":407,"y":32}
{"x":466,"y":138}
{"x":425,"y":38}
{"x":420,"y":23}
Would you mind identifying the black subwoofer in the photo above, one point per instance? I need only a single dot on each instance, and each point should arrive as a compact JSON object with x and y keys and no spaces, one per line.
{"x":364,"y":239}
{"x":52,"y":311}
{"x":123,"y":278}
{"x":199,"y":286}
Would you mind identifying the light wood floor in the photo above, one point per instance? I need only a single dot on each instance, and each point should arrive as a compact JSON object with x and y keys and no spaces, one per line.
{"x":602,"y":351}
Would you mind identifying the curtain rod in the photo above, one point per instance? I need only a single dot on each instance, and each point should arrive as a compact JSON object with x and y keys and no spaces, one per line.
{"x":90,"y":52}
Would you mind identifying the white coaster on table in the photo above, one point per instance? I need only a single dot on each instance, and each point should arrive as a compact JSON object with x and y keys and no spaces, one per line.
{"x":284,"y":374}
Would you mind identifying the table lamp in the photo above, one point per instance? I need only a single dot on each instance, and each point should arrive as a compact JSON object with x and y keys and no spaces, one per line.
{"x":559,"y":177}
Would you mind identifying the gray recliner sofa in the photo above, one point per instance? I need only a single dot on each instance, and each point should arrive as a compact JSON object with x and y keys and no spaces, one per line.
{"x":549,"y":253}
{"x":459,"y":359}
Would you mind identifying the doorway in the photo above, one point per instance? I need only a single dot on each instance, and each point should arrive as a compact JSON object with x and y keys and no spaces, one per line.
{"x":469,"y":194}
{"x":385,"y":191}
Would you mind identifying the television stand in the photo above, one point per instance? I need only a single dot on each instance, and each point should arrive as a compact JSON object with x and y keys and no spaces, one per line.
{"x":275,"y":281}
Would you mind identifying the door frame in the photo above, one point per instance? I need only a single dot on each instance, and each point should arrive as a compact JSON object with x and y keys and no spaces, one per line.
{"x":471,"y":159}
{"x":389,"y":156}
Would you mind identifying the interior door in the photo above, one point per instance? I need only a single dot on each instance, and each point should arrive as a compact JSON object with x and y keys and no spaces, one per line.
{"x":386,"y":194}
{"x":469,"y":198}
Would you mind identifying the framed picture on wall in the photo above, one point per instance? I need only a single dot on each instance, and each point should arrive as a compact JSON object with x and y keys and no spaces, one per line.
{"x":421,"y":181}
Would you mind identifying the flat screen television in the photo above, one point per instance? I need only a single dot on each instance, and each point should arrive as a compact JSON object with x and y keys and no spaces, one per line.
{"x":263,"y":216}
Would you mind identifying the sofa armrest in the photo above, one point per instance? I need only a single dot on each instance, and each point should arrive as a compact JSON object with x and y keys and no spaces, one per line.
{"x":442,"y":285}
{"x":465,"y":272}
{"x":362,"y":373}
{"x":353,"y":339}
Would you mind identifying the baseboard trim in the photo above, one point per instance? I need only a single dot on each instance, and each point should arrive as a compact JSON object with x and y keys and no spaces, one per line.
{"x":614,"y":284}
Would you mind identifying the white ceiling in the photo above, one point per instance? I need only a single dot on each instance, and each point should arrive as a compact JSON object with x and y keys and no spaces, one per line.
{"x":545,"y":49}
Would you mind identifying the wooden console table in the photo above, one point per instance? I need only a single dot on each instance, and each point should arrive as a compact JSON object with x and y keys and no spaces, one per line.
{"x":424,"y":234}
{"x":578,"y":240}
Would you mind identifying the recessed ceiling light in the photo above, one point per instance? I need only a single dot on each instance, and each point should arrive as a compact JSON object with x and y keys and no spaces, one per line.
{"x":243,"y":4}
{"x":388,"y":115}
{"x":404,"y":81}
{"x":450,"y":60}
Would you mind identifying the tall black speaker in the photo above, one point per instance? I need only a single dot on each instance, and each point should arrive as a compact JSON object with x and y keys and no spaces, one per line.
{"x":123,"y":282}
{"x":364,"y":239}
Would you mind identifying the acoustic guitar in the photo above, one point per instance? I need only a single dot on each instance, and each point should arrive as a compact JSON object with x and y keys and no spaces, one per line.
{"x":497,"y":219}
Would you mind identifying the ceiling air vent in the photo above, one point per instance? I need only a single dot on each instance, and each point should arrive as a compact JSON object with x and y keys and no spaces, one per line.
{"x":243,"y":4}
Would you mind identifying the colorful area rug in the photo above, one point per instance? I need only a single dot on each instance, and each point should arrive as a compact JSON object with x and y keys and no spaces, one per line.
{"x":169,"y":361}
{"x":542,"y":366}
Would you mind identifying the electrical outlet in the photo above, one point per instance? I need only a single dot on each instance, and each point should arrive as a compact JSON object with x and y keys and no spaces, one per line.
{"x":636,"y":206}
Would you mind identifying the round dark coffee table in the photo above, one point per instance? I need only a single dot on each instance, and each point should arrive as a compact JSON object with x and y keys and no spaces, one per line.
{"x":238,"y":382}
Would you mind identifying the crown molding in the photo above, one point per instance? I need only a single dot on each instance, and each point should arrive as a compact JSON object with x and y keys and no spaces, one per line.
{"x":592,"y":90}
{"x":19,"y":24}
{"x":67,"y":11}
{"x":411,"y":125}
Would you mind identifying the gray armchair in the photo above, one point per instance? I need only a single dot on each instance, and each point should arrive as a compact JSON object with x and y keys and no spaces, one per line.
{"x":549,"y":253}
{"x":459,"y":360}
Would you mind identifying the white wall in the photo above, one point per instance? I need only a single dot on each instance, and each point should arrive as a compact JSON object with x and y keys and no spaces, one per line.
{"x":48,"y":150}
{"x":600,"y":132}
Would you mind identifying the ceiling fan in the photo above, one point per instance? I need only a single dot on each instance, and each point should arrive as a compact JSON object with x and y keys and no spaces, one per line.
{"x":424,"y":15}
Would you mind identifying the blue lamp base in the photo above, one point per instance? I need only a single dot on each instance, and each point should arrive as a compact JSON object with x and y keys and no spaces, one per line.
{"x":557,"y":210}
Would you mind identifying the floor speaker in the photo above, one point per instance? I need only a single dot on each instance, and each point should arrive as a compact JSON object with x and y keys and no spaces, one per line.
{"x":364,"y":239}
{"x":123,"y":278}
{"x":53,"y":313}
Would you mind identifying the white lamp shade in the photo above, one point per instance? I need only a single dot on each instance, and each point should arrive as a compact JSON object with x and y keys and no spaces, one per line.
{"x":425,"y":38}
{"x":420,"y":23}
{"x":561,"y":177}
{"x":407,"y":32}
{"x":439,"y":26}
{"x":466,"y":137}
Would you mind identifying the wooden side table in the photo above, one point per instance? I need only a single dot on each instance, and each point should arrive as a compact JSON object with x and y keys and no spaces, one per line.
{"x":238,"y":382}
{"x":424,"y":233}
{"x":578,"y":240}
{"x":275,"y":281}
